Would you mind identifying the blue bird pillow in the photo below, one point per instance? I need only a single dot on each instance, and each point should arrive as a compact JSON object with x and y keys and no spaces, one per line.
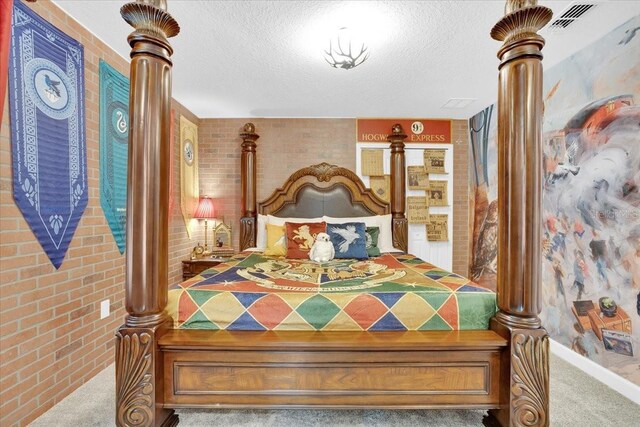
{"x":349,"y":239}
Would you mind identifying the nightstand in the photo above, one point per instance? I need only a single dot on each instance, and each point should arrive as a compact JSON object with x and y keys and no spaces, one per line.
{"x":193,"y":267}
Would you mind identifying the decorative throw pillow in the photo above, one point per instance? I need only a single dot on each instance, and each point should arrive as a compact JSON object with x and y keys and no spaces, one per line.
{"x":372,"y":241}
{"x":300,"y":237}
{"x":280,"y":221}
{"x":385,"y":238}
{"x":349,"y":239}
{"x":276,"y":241}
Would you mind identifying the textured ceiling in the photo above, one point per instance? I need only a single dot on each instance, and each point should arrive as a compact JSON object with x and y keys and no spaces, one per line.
{"x":264,"y":58}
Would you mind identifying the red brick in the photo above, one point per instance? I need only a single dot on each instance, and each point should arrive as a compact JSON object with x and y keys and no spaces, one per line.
{"x":18,"y":338}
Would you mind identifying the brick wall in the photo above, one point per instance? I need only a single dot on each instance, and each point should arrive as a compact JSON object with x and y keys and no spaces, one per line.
{"x":461,"y":197}
{"x":286,"y":145}
{"x":51,"y":337}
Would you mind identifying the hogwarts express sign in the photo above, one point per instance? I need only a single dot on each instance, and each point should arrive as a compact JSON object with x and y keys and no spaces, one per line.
{"x":417,"y":130}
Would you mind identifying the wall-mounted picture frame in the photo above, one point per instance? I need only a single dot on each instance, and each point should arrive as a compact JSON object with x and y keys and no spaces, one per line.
{"x":438,"y":193}
{"x":417,"y":178}
{"x":434,"y":160}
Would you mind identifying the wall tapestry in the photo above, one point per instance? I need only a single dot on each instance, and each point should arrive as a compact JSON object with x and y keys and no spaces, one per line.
{"x":46,"y":79}
{"x":6,"y":8}
{"x":591,"y":201}
{"x":114,"y":139}
{"x":172,"y":168}
{"x":189,"y":186}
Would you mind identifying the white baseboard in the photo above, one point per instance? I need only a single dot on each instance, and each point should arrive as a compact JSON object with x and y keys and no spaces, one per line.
{"x":602,"y":374}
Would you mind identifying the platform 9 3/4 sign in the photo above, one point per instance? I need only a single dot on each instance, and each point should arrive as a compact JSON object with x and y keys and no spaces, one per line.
{"x":418,"y":130}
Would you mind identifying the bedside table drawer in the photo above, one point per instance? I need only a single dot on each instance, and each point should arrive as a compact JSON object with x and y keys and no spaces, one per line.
{"x":193,"y":267}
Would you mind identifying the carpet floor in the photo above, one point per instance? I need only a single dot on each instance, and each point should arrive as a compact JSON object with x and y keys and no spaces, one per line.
{"x":576,"y":400}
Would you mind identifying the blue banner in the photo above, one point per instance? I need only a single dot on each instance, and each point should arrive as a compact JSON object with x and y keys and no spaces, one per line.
{"x":114,"y":134}
{"x":46,"y":84}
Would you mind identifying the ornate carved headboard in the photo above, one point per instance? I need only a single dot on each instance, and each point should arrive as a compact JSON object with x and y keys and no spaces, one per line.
{"x":323,"y":189}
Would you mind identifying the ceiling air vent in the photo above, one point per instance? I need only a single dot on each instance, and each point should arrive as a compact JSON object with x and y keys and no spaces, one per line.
{"x":570,"y":14}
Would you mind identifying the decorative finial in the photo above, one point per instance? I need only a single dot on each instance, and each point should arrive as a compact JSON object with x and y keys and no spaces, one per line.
{"x":249,"y":128}
{"x":513,"y":5}
{"x":150,"y":17}
{"x":397,"y":129}
{"x":160,"y":4}
{"x":522,"y":21}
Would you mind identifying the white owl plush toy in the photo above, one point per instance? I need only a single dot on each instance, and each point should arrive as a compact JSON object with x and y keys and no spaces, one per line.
{"x":322,"y":249}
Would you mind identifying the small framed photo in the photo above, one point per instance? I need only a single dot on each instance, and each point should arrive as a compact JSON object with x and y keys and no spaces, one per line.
{"x":438,"y":193}
{"x":418,"y":178}
{"x":434,"y":160}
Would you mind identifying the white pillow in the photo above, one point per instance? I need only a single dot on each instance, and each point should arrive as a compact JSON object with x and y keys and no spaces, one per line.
{"x":385,"y":238}
{"x":261,"y":233}
{"x":280,"y":221}
{"x":383,"y":222}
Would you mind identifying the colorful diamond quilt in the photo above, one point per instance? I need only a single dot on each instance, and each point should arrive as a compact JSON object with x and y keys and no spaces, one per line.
{"x":388,"y":293}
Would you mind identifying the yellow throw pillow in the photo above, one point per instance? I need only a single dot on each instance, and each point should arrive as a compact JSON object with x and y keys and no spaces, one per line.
{"x":276,"y":241}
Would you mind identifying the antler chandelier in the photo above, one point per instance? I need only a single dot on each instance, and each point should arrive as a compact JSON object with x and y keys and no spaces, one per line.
{"x":344,"y":52}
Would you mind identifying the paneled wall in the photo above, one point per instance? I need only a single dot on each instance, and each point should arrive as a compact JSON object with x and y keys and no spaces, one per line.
{"x":52,"y":339}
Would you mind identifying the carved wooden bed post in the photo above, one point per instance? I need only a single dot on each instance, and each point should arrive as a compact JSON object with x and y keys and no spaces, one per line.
{"x":138,"y":361}
{"x":526,"y":366}
{"x":248,"y":224}
{"x":398,"y":188}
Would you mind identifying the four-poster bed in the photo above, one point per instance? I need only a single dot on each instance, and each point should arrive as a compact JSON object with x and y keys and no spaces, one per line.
{"x":503,"y":369}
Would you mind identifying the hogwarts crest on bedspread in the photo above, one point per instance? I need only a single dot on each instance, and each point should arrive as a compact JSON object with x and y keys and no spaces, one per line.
{"x":46,"y":80}
{"x":114,"y":135}
{"x":390,"y":292}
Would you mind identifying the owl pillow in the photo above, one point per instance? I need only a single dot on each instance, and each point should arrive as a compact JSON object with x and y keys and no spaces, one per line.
{"x":349,"y":239}
{"x":300,"y":238}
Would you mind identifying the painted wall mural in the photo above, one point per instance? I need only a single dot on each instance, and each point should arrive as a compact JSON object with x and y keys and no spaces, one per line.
{"x":484,"y":197}
{"x":591,"y":200}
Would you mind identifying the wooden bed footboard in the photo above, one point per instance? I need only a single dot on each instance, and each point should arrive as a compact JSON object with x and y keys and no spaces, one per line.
{"x":504,"y":369}
{"x":399,"y":370}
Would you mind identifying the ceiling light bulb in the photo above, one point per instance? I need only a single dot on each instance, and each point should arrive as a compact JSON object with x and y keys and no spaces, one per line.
{"x":345,"y":51}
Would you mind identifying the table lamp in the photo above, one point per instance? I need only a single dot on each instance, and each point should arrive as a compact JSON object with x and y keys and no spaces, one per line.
{"x":205,"y":211}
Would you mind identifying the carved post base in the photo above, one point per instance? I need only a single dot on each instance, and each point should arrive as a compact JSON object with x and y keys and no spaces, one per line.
{"x":247,"y":232}
{"x":139,"y":385}
{"x":400,"y":233}
{"x":526,"y":401}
